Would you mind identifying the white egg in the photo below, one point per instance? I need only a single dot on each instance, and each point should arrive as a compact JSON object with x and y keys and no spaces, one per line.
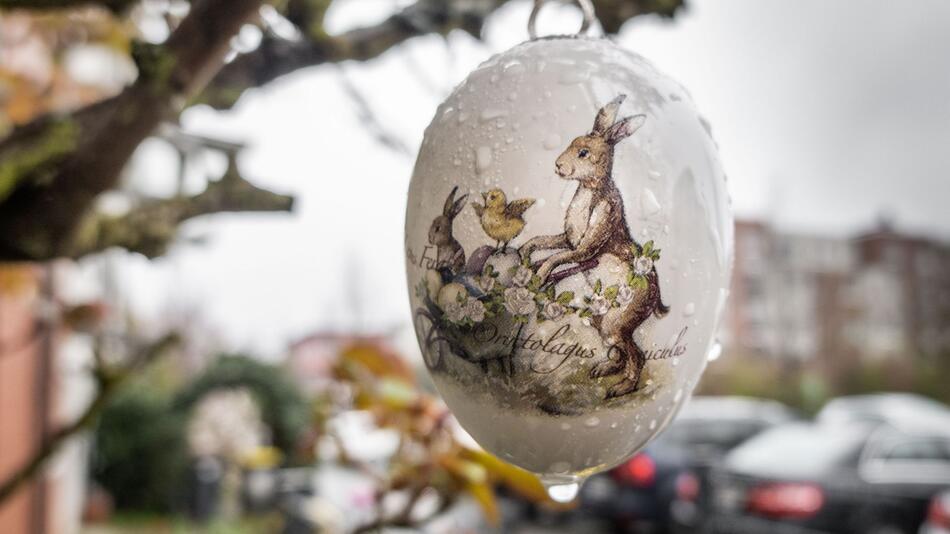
{"x":588,"y":257}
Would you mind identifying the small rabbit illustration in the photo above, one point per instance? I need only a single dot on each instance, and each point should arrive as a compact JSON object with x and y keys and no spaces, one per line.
{"x":449,"y":252}
{"x":595,"y":228}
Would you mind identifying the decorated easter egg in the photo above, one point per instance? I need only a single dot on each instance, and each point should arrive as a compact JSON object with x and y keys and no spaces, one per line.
{"x":568,"y":250}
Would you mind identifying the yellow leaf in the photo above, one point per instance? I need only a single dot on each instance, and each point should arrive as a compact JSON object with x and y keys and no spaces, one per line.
{"x":377,"y":361}
{"x":466,"y":471}
{"x":519,"y":480}
{"x":485,"y":497}
{"x":395,"y":393}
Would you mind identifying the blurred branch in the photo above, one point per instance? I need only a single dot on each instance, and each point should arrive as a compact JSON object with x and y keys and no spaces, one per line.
{"x":150,"y":227}
{"x":276,"y":57}
{"x":109,"y":380}
{"x":370,"y":120}
{"x":52,"y":170}
{"x":113,"y":5}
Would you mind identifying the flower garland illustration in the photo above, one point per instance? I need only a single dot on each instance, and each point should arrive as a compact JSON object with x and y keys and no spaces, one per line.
{"x":525,"y":296}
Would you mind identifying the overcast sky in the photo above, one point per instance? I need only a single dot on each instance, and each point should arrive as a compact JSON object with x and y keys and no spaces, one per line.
{"x":827,"y":115}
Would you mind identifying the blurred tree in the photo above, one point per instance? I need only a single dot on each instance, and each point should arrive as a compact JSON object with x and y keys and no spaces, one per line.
{"x":63,"y":155}
{"x":66,"y":137}
{"x":283,"y":408}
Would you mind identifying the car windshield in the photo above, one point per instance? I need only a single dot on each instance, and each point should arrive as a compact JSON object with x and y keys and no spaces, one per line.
{"x":797,"y":451}
{"x":718,"y":434}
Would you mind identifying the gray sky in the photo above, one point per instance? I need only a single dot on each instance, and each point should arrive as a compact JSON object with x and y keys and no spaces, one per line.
{"x":826,"y":113}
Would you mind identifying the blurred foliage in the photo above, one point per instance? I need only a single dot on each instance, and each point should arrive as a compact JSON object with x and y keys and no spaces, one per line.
{"x":283,"y":407}
{"x":140,"y":452}
{"x":38,"y":58}
{"x":808,"y":385}
{"x":144,"y":523}
{"x":430,"y":457}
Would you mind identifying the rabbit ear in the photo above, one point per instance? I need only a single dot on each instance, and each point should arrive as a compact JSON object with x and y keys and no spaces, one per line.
{"x":624,"y":128}
{"x":457,"y":207}
{"x":449,"y":200}
{"x":607,"y":114}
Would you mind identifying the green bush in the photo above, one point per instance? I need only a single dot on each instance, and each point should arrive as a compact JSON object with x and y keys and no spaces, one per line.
{"x":283,"y":408}
{"x":139,"y":450}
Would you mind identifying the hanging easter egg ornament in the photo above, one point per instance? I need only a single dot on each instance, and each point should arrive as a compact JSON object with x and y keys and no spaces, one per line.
{"x":569,"y":246}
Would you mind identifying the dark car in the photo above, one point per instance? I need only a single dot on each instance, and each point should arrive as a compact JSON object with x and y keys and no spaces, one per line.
{"x":938,"y":515}
{"x":662,"y":485}
{"x":841,"y":479}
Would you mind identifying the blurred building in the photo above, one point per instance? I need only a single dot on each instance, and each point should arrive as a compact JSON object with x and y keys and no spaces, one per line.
{"x":800,"y":297}
{"x":42,"y":387}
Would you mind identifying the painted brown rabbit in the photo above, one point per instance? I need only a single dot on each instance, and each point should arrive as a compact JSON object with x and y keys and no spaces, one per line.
{"x":595,"y":228}
{"x":449,"y":253}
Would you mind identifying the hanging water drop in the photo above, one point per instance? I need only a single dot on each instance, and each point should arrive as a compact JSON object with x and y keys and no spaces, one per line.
{"x":563,"y":493}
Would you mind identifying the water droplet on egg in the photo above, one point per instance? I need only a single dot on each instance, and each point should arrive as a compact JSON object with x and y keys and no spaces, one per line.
{"x":653,"y":424}
{"x":482,"y":158}
{"x":565,"y":426}
{"x":560,"y":468}
{"x":574,"y":76}
{"x":689,"y":309}
{"x":649,"y":203}
{"x":715,"y":351}
{"x":592,"y":422}
{"x":492,"y":113}
{"x":551,"y":141}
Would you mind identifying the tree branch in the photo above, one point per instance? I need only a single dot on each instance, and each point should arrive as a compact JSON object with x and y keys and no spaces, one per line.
{"x":276,"y":57}
{"x":115,"y":6}
{"x":52,"y":170}
{"x":150,"y":227}
{"x":109,"y":381}
{"x":85,"y":153}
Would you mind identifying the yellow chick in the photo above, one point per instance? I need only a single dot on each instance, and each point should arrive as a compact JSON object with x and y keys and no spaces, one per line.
{"x":501,"y":220}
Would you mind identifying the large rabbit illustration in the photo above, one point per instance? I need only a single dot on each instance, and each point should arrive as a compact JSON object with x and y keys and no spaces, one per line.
{"x":449,"y":253}
{"x":595,"y":230}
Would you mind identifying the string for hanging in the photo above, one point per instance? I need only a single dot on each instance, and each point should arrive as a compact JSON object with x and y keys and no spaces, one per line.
{"x":587,"y":9}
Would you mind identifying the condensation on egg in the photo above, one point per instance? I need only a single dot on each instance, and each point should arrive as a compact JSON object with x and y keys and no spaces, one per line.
{"x":568,"y":245}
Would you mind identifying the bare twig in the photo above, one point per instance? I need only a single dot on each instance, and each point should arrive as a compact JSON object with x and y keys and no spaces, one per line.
{"x":108,"y":380}
{"x":369,"y":119}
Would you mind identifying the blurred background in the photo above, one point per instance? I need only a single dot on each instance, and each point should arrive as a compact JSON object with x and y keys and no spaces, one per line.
{"x":204,"y":324}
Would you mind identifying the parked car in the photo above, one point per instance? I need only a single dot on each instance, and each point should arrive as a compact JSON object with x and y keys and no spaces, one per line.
{"x":891,"y":408}
{"x":938,"y":515}
{"x":663,"y":485}
{"x":842,"y":479}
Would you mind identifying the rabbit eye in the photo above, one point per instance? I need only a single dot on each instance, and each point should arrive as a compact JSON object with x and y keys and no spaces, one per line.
{"x":583,"y":153}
